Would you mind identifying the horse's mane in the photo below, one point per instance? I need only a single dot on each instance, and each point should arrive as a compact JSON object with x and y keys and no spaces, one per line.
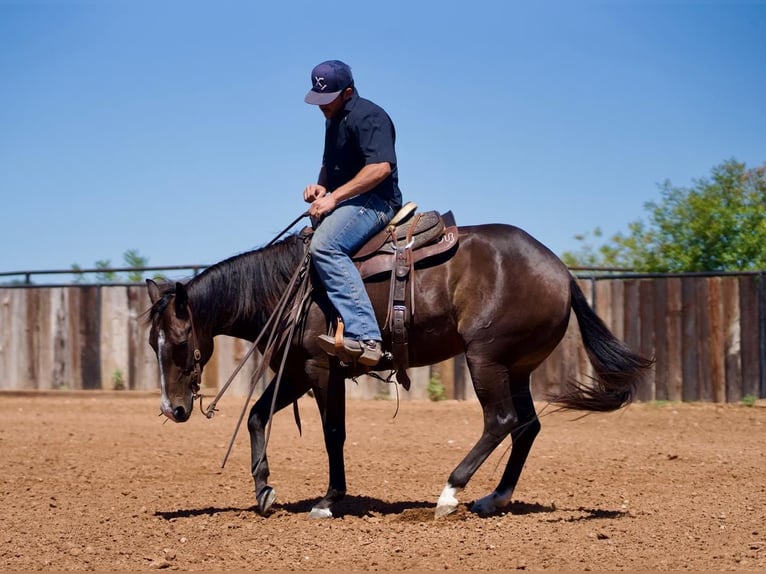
{"x":243,"y":287}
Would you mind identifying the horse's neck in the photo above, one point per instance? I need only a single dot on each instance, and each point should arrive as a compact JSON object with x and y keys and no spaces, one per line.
{"x":224,"y":308}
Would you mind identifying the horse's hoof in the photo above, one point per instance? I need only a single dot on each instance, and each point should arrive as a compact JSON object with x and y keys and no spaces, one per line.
{"x":447,"y":503}
{"x":320,"y":513}
{"x":483,"y":507}
{"x":266,"y":499}
{"x":490,"y":504}
{"x":444,"y":510}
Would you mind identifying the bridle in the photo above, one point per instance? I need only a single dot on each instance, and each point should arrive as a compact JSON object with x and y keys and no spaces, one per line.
{"x":195,"y":371}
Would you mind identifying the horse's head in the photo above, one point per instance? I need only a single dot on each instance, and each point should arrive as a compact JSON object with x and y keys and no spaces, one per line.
{"x":181,"y":349}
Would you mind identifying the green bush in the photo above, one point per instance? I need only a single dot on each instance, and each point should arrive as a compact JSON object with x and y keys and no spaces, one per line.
{"x":435,"y":389}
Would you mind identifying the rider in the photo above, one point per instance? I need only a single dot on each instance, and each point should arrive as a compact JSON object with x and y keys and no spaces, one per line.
{"x":356,"y":195}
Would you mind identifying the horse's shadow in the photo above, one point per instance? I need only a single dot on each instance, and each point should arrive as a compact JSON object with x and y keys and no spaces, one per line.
{"x":361,"y":506}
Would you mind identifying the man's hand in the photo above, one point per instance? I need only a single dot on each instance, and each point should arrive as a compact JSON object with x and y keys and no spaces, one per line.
{"x":313,"y":191}
{"x":322,"y":206}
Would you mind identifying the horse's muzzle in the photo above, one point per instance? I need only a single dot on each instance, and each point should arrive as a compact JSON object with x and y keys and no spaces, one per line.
{"x":179,"y":414}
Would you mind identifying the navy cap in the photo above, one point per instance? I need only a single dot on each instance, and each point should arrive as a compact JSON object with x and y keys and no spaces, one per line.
{"x":328,"y":79}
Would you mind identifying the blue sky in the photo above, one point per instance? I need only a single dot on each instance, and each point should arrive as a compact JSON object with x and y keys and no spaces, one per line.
{"x":178,"y":128}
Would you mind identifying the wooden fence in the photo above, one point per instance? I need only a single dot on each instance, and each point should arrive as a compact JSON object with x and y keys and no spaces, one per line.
{"x":706,"y":334}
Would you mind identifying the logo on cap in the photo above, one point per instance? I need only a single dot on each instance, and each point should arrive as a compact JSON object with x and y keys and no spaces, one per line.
{"x":319,"y":83}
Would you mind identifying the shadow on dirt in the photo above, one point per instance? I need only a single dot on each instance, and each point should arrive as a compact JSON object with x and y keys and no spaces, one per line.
{"x":406,"y":511}
{"x":582,"y":514}
{"x":208,"y":511}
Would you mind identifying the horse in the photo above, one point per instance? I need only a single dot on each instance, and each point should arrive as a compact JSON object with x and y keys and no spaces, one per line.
{"x":502,"y":298}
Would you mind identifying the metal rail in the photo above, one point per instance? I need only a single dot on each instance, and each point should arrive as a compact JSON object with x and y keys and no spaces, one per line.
{"x":27,"y":275}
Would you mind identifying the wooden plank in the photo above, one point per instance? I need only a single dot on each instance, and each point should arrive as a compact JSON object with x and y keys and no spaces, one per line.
{"x":704,"y":340}
{"x":660,"y":321}
{"x":617,"y":326}
{"x":90,"y":336}
{"x":732,"y":332}
{"x":717,"y":341}
{"x":61,"y":368}
{"x":241,"y":382}
{"x":228,"y":353}
{"x":603,"y":307}
{"x":749,"y":332}
{"x":419,"y":377}
{"x":689,"y":339}
{"x":6,"y":336}
{"x":73,"y":336}
{"x":674,"y":327}
{"x":13,"y":343}
{"x":43,"y":355}
{"x":114,"y":336}
{"x":632,"y":316}
{"x":646,"y":347}
{"x":30,"y":374}
{"x":144,"y":372}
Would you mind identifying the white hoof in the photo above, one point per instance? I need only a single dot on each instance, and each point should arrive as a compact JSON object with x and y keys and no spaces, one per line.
{"x":443,"y":510}
{"x":320,"y":513}
{"x":447,"y":503}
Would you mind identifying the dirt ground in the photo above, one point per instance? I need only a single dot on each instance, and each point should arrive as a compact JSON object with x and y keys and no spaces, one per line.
{"x":98,"y":482}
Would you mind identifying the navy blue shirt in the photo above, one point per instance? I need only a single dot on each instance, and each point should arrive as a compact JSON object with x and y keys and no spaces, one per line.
{"x":361,"y":134}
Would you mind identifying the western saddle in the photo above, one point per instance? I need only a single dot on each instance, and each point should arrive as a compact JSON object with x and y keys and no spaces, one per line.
{"x":409,"y":238}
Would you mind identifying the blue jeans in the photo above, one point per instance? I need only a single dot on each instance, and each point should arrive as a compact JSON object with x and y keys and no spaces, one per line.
{"x":338,"y":236}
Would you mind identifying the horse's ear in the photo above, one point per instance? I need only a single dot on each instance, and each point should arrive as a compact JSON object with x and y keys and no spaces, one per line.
{"x":182,"y":299}
{"x":154,"y":291}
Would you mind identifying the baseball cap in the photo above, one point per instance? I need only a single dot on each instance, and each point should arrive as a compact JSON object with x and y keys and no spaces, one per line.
{"x":328,"y":79}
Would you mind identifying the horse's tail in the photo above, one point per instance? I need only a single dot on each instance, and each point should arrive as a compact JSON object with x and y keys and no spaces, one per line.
{"x":618,"y":369}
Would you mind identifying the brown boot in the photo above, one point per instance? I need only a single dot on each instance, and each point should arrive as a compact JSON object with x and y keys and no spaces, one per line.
{"x":372,"y":351}
{"x":367,"y":353}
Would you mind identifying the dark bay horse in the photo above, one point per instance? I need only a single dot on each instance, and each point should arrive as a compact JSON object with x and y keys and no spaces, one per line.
{"x":503,"y":299}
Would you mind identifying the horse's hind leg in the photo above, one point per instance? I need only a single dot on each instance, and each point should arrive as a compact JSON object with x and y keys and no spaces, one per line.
{"x":525,"y":429}
{"x":493,"y":390}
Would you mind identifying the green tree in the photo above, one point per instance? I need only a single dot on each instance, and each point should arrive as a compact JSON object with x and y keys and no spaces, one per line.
{"x":79,"y":275}
{"x":133,"y":259}
{"x":717,"y":224}
{"x":105,"y":274}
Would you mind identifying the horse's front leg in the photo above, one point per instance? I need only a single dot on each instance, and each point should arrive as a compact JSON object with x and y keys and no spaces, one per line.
{"x":256,"y":425}
{"x":332,"y":407}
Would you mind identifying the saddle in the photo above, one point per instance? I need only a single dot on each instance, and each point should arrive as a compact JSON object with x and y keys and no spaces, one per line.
{"x":409,"y":238}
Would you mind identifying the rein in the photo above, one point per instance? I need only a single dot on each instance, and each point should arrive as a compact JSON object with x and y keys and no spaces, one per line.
{"x":285,"y":320}
{"x":280,"y":328}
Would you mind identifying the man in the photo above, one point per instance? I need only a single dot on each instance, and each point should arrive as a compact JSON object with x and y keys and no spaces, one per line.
{"x":356,"y":195}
